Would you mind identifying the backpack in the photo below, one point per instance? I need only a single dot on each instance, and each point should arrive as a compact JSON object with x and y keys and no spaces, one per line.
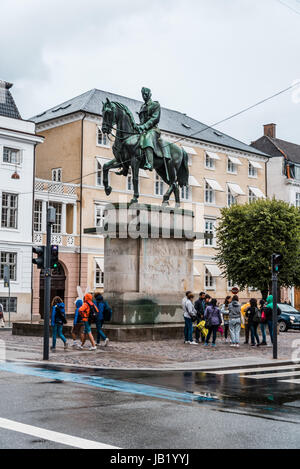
{"x":60,"y":314}
{"x":93,"y":313}
{"x":257,"y":317}
{"x":107,"y":313}
{"x":264,"y":315}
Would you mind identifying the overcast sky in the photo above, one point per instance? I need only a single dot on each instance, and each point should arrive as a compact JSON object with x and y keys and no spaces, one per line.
{"x":207,"y":58}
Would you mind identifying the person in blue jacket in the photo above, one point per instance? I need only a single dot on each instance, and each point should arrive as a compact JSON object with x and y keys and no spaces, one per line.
{"x":78,"y":326}
{"x":58,"y":319}
{"x":101,"y":305}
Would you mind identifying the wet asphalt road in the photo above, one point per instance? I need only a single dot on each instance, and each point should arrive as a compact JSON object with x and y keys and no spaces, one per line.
{"x":162,"y":410}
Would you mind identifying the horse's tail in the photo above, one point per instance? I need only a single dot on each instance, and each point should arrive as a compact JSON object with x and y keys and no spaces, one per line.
{"x":183,"y":172}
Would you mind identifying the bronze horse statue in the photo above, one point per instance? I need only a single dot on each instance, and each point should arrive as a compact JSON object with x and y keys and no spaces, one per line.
{"x":174,"y":171}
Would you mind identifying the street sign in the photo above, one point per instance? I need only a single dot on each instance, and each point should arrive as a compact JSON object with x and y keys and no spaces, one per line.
{"x":235,"y":290}
{"x":6,"y":276}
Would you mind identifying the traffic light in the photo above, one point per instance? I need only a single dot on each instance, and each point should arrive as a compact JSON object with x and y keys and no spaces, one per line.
{"x":41,"y":254}
{"x":276,"y":263}
{"x":54,"y":257}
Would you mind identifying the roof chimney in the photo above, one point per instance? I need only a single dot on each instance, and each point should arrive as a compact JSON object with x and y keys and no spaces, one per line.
{"x":270,"y":130}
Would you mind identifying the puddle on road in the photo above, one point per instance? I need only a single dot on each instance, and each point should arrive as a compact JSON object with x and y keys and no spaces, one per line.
{"x":268,"y":395}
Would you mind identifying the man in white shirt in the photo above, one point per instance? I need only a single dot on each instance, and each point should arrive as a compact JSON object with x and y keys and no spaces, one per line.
{"x":189,"y":313}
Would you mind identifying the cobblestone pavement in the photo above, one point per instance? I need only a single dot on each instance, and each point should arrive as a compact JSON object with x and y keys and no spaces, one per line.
{"x":161,"y":354}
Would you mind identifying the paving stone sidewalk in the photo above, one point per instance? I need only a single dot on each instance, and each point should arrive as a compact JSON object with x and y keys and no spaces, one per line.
{"x":158,"y":354}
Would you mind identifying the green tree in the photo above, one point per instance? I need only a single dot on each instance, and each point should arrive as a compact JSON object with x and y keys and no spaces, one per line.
{"x":249,"y":234}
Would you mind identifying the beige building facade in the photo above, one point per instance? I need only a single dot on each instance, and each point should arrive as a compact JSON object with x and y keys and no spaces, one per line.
{"x":69,"y":175}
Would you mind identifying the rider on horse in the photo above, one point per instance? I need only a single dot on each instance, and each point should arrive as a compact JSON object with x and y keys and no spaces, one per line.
{"x":150,"y":141}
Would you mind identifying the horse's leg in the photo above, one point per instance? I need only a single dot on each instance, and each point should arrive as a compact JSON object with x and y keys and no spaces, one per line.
{"x":135,"y":166}
{"x":106,"y":167}
{"x":172,"y":182}
{"x":177,"y":195}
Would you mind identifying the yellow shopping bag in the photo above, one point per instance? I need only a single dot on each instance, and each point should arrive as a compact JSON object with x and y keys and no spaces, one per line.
{"x":202,"y":328}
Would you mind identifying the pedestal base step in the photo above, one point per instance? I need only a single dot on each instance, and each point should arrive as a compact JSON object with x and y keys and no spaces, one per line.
{"x":116,"y":333}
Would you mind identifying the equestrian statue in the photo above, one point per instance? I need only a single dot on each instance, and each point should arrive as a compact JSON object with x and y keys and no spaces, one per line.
{"x":140,"y":146}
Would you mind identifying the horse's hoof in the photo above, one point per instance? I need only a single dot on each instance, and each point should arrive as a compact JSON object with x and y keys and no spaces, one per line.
{"x":165,"y":203}
{"x":133,"y":201}
{"x":108,"y":190}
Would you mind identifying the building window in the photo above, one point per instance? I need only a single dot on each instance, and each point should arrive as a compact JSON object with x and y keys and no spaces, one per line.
{"x":231,"y":167}
{"x":10,"y":259}
{"x":186,"y":193}
{"x":56,"y":227}
{"x":231,"y":199}
{"x":37,"y":217}
{"x":209,"y":229}
{"x":11,"y":155}
{"x":99,"y":175}
{"x":298,"y":199}
{"x":209,"y":280}
{"x":252,"y":172}
{"x":159,"y":185}
{"x":57,"y":174}
{"x":209,"y":162}
{"x":99,"y":276}
{"x":252,"y":197}
{"x":129,"y":182}
{"x":209,"y":194}
{"x":99,"y":215}
{"x":13,"y":304}
{"x":102,"y":138}
{"x":9,"y":217}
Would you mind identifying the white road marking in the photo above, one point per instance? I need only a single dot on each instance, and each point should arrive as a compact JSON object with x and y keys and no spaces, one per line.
{"x":254,"y":370}
{"x":294,"y":381}
{"x":274,"y":375}
{"x":61,"y":438}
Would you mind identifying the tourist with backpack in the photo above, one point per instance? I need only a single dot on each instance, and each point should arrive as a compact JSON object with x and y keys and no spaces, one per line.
{"x":253,"y":315}
{"x":78,"y":327}
{"x":88,"y":314}
{"x":200,"y":309}
{"x":262,"y":324}
{"x":225,"y":315}
{"x":235,"y":321}
{"x":58,"y":319}
{"x":104,"y":312}
{"x":213,"y":320}
{"x":267,"y":313}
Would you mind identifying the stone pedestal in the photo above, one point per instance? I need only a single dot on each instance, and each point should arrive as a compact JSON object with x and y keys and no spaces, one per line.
{"x":148,"y":262}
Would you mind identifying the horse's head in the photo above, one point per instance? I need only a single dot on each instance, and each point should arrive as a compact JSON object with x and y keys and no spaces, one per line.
{"x":108,"y":116}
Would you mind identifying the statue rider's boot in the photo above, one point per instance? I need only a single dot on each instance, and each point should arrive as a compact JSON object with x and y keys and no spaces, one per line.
{"x":149,"y":160}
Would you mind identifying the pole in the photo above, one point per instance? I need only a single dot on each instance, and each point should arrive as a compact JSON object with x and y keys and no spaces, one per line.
{"x":275,"y":317}
{"x":47,"y":290}
{"x":9,"y":304}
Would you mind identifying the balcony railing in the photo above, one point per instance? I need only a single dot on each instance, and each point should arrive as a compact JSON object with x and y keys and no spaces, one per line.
{"x":59,"y":188}
{"x":66,"y":240}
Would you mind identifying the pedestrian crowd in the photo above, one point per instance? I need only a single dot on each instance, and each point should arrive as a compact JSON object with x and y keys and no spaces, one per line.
{"x":204,"y":319}
{"x":90,"y":310}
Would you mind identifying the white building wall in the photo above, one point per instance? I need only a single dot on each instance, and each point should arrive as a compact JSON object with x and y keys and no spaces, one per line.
{"x":276,"y":186}
{"x":20,"y":135}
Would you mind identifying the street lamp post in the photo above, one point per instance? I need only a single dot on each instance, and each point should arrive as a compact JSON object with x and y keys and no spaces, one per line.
{"x":51,"y":216}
